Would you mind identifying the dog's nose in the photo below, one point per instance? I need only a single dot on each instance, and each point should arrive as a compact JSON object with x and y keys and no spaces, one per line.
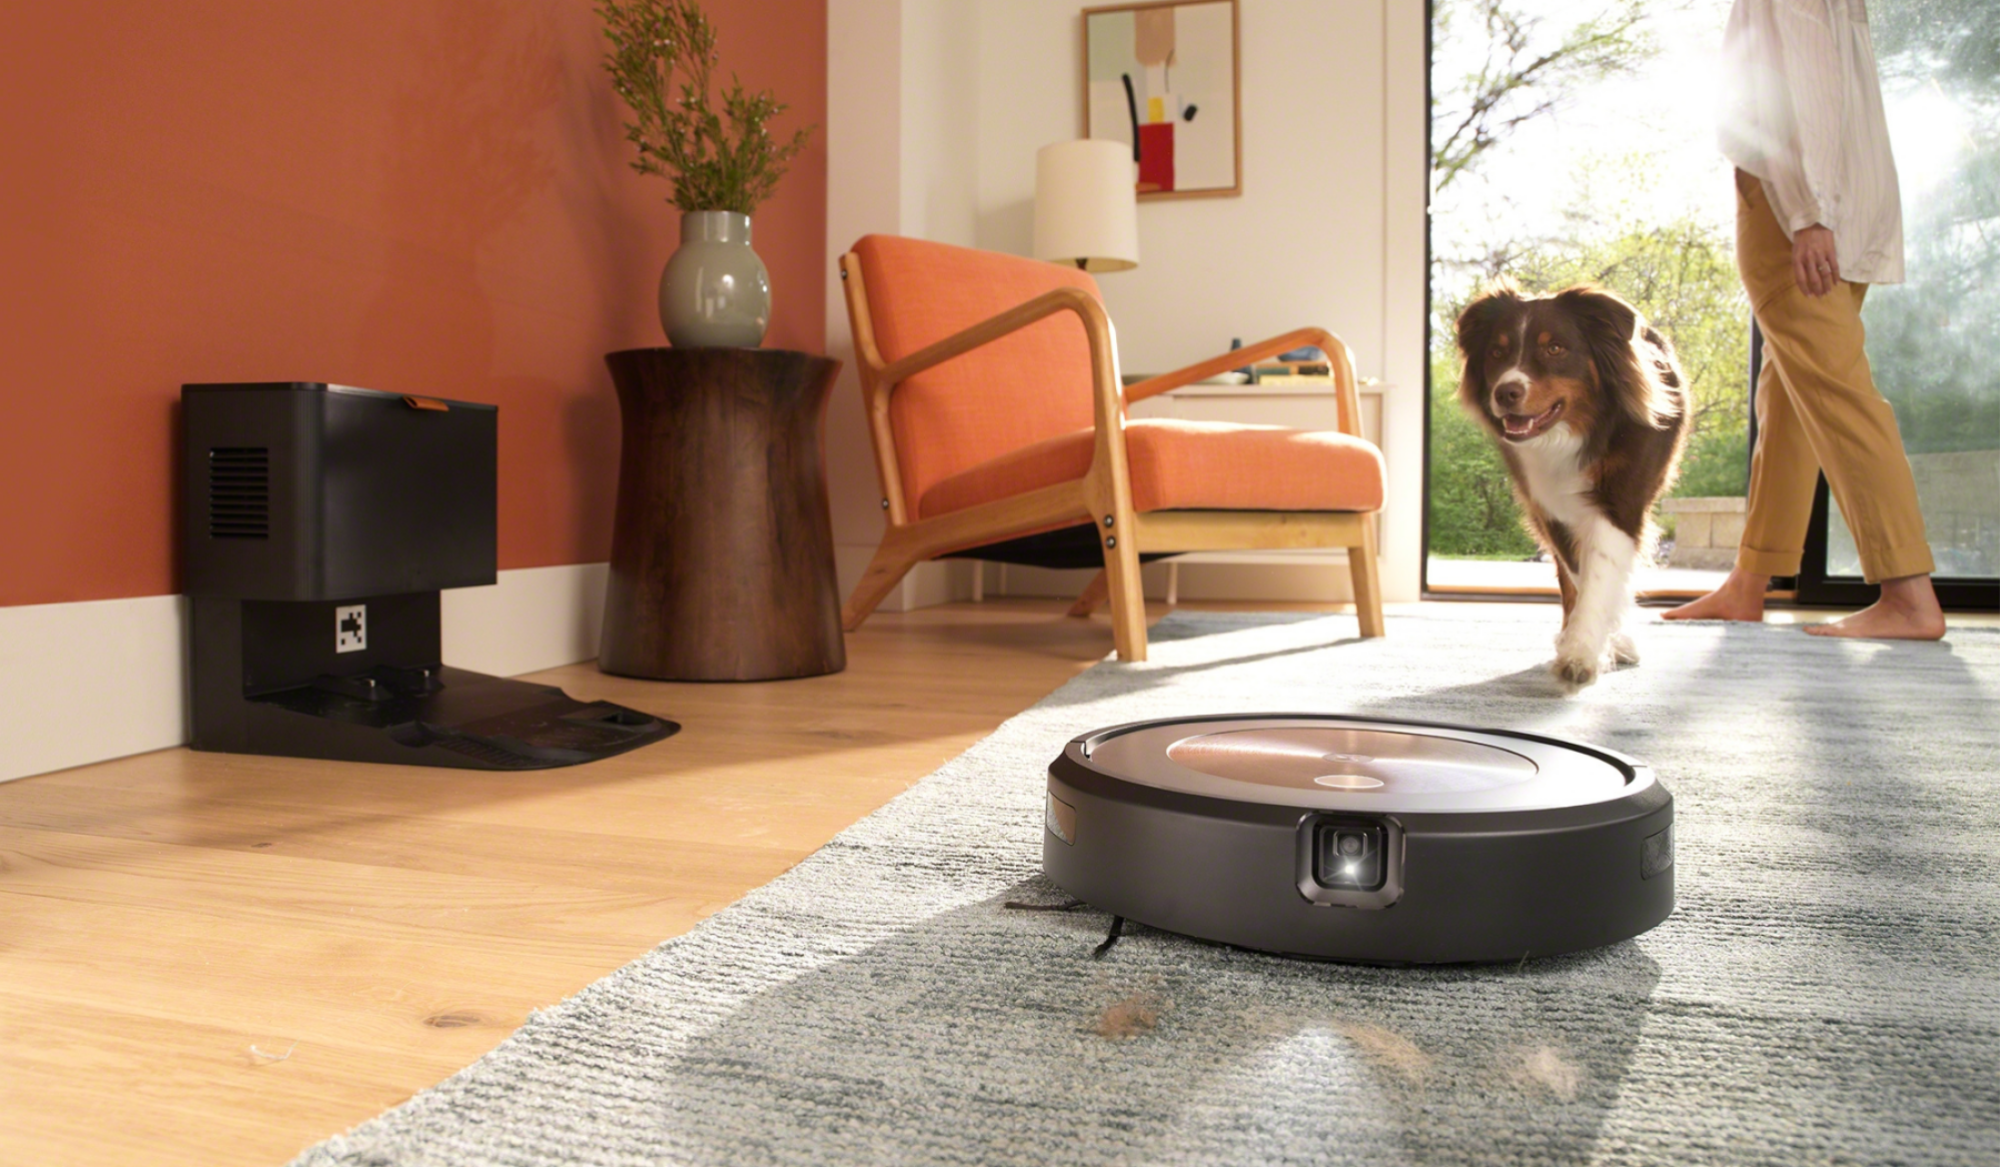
{"x":1509,"y":396}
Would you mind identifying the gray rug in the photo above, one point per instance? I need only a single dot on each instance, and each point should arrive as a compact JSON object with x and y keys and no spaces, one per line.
{"x":1826,"y":991}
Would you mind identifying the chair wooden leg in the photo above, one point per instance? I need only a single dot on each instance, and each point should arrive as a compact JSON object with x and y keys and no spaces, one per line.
{"x":885,"y":571}
{"x":1361,"y":565}
{"x":1093,"y":595}
{"x":1128,"y":600}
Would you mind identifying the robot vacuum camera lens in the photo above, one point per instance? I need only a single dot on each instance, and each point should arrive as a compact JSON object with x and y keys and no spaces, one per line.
{"x":1350,"y":856}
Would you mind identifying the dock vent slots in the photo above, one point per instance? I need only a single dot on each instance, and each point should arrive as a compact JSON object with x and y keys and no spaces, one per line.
{"x":239,"y":492}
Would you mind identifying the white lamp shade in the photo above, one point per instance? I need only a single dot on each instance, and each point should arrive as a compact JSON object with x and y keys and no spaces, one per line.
{"x":1087,"y":205}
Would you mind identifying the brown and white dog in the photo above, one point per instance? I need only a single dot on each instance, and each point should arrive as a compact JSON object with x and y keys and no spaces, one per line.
{"x":1588,"y":407}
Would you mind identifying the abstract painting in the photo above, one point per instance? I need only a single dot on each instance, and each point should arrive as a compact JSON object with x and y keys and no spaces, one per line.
{"x":1162,"y":78}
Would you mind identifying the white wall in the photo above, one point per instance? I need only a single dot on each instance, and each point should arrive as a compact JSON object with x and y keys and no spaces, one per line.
{"x":864,"y":141}
{"x":940,"y":111}
{"x":900,"y":160}
{"x":1328,"y":230}
{"x":1301,"y":245}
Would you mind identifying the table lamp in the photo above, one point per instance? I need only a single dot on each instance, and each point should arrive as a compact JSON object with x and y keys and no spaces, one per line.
{"x":1087,"y":206}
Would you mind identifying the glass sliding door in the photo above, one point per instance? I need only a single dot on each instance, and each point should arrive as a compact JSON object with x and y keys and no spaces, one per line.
{"x":1574,"y":143}
{"x":1934,"y":341}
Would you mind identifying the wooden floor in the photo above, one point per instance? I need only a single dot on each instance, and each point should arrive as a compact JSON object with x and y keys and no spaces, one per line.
{"x":211,"y":959}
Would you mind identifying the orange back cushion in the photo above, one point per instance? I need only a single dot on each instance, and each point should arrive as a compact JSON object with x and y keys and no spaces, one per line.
{"x":1027,"y":386}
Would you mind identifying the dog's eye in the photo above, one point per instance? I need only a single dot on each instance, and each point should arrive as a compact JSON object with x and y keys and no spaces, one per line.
{"x":1554,"y":350}
{"x":1499,"y":350}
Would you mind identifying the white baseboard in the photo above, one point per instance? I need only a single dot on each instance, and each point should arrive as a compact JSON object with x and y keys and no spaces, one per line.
{"x":940,"y":581}
{"x":1245,"y":576}
{"x":87,"y":682}
{"x":534,"y":618}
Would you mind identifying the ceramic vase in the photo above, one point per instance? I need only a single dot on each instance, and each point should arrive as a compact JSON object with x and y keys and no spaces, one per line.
{"x":715,"y":292}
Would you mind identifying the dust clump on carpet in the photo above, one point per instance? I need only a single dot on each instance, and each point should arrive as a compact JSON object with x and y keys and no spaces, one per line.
{"x":1135,"y":1016}
{"x":1544,"y":1067}
{"x":1389,"y":1050}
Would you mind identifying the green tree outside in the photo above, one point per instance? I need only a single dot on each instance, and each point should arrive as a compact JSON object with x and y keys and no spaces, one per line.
{"x":1682,"y":277}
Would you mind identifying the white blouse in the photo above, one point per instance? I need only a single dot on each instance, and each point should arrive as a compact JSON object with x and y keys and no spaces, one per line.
{"x":1802,"y":111}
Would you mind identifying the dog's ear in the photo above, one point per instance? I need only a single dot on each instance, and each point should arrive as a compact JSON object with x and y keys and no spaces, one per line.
{"x":1497,"y":302}
{"x":1627,"y":363}
{"x":1664,"y":359}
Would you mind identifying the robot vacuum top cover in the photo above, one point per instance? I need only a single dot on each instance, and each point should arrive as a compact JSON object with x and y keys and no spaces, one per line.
{"x":1361,"y":839}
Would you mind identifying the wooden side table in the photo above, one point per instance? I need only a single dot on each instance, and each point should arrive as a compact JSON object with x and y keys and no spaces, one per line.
{"x":722,"y":549}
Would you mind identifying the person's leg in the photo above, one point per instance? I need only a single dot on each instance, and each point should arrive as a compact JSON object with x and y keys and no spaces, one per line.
{"x":1818,"y":341}
{"x":1908,"y":607}
{"x":1783,"y":473}
{"x":1783,"y":470}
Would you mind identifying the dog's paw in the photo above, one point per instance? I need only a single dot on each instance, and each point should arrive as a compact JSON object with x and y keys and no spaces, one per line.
{"x":1575,"y":668}
{"x":1624,"y":651}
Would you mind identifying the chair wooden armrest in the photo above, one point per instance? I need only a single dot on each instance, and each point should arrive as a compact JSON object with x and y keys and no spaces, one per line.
{"x":993,"y":328}
{"x":1342,"y":363}
{"x":880,"y":378}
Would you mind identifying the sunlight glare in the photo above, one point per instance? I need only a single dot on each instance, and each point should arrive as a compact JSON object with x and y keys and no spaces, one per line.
{"x":1927,"y":132}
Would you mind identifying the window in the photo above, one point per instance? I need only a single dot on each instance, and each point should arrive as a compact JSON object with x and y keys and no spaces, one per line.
{"x":1574,"y":143}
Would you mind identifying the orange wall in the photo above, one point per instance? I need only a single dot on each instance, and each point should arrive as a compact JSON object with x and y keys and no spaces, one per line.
{"x":417,"y":197}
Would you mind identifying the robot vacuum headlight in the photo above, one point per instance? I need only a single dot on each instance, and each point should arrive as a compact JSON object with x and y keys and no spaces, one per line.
{"x":1349,"y":856}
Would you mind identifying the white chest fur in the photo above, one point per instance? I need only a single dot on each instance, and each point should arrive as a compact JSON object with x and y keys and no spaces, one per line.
{"x":1552,"y":473}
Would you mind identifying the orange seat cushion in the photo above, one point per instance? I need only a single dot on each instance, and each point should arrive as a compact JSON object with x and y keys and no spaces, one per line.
{"x":1022,"y":388}
{"x":1189,"y":465}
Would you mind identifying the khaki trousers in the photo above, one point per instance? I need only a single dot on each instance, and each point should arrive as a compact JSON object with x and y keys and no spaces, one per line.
{"x":1818,"y":409}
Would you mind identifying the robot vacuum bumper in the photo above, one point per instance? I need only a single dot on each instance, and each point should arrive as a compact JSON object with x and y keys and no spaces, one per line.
{"x":1361,"y":839}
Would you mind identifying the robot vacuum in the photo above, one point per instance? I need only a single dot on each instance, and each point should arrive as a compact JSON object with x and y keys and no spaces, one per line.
{"x":1361,"y":839}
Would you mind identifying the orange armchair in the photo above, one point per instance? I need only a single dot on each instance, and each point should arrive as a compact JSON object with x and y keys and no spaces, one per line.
{"x":994,"y":406}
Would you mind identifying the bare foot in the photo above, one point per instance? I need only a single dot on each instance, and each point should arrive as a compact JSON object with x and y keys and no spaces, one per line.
{"x":1741,"y":597}
{"x":1908,"y":610}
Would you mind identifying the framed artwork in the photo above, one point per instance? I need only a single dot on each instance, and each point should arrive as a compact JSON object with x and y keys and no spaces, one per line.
{"x":1162,"y":78}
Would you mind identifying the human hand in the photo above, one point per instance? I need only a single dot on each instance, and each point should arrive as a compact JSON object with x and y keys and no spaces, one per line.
{"x":1815,"y":264}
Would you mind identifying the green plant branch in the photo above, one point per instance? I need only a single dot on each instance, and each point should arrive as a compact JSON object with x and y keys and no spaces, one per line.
{"x":662,"y":62}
